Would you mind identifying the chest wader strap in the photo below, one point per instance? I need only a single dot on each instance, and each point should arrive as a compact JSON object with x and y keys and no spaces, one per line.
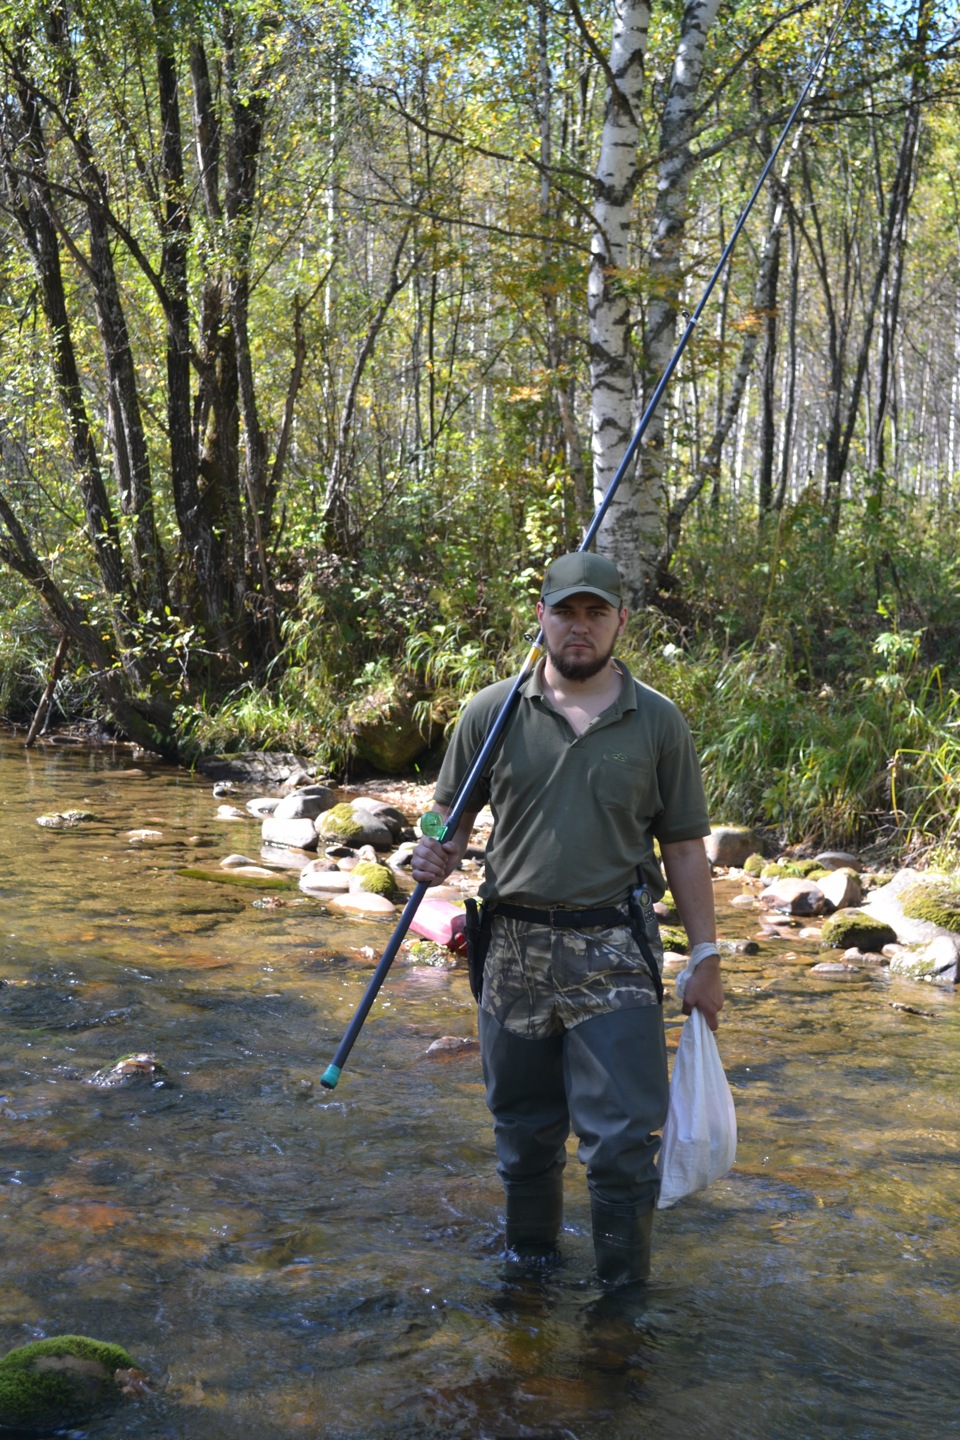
{"x":479,"y":920}
{"x":640,"y":912}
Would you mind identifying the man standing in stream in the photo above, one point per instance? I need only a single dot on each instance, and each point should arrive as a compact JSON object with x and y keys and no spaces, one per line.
{"x":593,"y":768}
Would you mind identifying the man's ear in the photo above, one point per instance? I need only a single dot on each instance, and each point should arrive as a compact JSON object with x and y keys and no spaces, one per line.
{"x":623,"y":620}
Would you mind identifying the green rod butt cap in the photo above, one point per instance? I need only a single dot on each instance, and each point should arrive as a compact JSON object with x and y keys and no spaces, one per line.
{"x":330,"y":1077}
{"x":433,"y":825}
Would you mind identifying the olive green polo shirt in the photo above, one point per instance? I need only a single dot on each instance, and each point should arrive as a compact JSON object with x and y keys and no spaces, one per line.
{"x":575,"y":816}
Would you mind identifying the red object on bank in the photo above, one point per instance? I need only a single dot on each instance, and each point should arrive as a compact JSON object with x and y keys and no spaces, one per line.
{"x":442,"y":922}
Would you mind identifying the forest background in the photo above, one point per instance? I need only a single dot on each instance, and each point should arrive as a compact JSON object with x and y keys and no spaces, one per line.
{"x":323,"y":327}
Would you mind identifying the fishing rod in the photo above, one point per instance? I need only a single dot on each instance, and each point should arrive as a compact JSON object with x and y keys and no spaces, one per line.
{"x":432,"y":824}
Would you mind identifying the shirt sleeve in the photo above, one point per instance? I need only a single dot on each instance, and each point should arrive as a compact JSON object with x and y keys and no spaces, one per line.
{"x":683,"y":815}
{"x":469,"y":735}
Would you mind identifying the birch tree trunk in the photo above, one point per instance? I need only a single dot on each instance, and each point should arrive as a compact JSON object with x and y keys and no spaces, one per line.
{"x":611,"y":365}
{"x":674,"y":175}
{"x":633,"y":533}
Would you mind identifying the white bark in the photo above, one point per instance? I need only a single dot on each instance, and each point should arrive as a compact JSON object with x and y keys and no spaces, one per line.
{"x":633,"y":533}
{"x":611,"y":367}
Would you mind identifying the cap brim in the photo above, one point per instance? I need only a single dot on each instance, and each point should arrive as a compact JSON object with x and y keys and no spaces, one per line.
{"x":555,"y":596}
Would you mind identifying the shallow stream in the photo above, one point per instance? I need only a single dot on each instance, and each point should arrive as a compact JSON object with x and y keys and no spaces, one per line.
{"x":289,"y":1263}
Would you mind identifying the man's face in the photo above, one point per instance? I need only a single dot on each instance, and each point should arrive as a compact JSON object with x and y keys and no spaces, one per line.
{"x":580,"y":634}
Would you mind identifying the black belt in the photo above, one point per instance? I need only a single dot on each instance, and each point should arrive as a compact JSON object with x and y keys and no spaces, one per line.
{"x":565,"y":919}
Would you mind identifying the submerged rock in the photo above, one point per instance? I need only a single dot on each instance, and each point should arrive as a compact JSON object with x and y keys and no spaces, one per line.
{"x":60,"y":1381}
{"x":130,"y":1069}
{"x":65,"y":820}
{"x":449,"y":1045}
{"x":355,"y":902}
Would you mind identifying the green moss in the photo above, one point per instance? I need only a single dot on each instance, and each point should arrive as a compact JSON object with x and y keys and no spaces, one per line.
{"x":849,"y":928}
{"x":781,"y":870}
{"x":428,"y":952}
{"x":807,"y":867}
{"x":937,"y":901}
{"x":339,"y":823}
{"x":754,"y":865}
{"x":374,"y":879}
{"x":674,"y":938}
{"x":58,"y":1381}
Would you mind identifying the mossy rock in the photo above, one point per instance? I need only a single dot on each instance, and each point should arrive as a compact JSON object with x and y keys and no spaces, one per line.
{"x":754,"y":865}
{"x":937,"y":901}
{"x":373,"y":879}
{"x":339,"y":823}
{"x":57,"y":1382}
{"x":428,"y":952}
{"x":808,"y":869}
{"x":849,"y":929}
{"x":781,"y":870}
{"x":674,"y":938}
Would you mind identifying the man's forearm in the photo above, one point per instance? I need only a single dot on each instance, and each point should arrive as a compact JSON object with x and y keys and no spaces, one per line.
{"x":691,"y":885}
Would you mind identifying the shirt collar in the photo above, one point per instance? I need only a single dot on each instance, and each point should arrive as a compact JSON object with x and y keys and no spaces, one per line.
{"x":532,"y":687}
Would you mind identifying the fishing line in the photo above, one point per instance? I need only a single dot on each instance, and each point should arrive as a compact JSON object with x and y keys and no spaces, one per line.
{"x":432,"y":824}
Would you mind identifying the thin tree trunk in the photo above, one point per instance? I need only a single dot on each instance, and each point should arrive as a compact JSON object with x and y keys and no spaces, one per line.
{"x":40,"y":717}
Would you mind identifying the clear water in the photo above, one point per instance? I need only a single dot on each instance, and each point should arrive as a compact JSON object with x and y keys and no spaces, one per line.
{"x":288,"y":1262}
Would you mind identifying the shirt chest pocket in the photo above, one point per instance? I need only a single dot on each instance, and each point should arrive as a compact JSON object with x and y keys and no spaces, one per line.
{"x":628,"y":785}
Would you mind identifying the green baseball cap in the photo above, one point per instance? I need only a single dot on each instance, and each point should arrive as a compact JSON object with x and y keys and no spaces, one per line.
{"x":582,"y":571}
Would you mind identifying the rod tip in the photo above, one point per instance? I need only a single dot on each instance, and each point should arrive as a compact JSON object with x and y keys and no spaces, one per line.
{"x":330,"y":1077}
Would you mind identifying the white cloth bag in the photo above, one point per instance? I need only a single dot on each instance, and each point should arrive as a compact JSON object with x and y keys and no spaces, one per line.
{"x":700,"y":1135}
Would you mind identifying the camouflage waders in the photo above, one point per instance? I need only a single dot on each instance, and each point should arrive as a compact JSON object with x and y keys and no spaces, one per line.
{"x":571,"y":1036}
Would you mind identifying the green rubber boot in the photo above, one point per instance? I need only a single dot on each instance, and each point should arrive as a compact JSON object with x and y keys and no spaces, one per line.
{"x":534,"y":1217}
{"x":621,"y":1242}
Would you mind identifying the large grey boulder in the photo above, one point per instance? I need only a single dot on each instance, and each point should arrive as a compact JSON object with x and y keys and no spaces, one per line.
{"x":305,"y":804}
{"x":937,"y":961}
{"x":795,"y":897}
{"x":291,"y":834}
{"x":256,"y":767}
{"x":394,"y":819}
{"x":842,"y":888}
{"x":932,"y":951}
{"x":729,"y":845}
{"x":353,"y":827}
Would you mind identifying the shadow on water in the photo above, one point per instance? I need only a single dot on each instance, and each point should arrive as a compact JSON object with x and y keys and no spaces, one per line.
{"x":292,"y":1263}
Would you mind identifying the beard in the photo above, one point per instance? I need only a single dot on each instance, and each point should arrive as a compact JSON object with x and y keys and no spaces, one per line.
{"x":584,"y":669}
